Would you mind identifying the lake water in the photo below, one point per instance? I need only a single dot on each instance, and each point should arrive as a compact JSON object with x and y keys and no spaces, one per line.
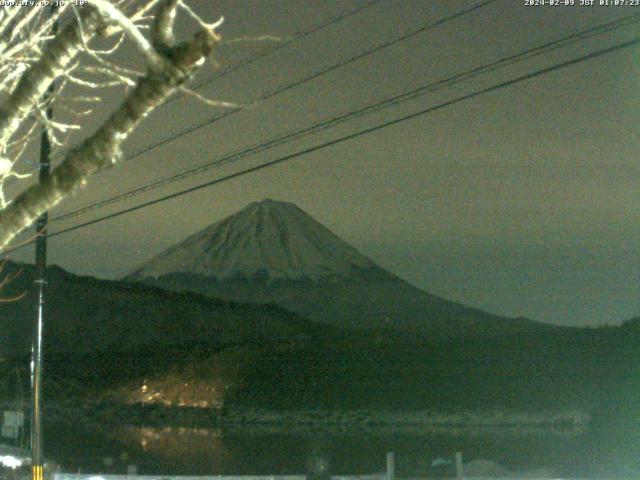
{"x":264,"y":450}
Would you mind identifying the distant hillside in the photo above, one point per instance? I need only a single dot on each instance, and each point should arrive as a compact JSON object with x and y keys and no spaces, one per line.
{"x":134,"y":343}
{"x":582,"y":368}
{"x":588,"y":370}
{"x":87,"y":315}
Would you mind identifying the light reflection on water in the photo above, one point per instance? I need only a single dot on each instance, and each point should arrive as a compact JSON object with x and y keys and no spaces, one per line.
{"x":244,"y":450}
{"x":177,"y":450}
{"x":186,"y":445}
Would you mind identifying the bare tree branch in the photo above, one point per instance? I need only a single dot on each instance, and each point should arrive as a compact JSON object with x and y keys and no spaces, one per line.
{"x":35,"y":81}
{"x":131,"y":30}
{"x":102,"y":148}
{"x":163,"y":26}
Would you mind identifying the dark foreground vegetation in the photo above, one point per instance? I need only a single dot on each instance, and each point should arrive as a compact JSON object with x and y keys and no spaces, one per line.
{"x":139,"y":354}
{"x":595,"y":370}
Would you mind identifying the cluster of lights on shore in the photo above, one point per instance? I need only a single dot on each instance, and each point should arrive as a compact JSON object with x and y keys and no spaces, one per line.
{"x":183,"y":395}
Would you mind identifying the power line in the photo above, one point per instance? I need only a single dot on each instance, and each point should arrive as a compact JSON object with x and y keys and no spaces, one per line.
{"x":297,"y":36}
{"x":273,"y":93}
{"x":261,"y":54}
{"x":352,"y":136}
{"x":322,"y":125}
{"x":299,"y":82}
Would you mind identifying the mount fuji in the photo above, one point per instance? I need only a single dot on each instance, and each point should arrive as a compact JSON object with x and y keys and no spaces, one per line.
{"x":273,"y":252}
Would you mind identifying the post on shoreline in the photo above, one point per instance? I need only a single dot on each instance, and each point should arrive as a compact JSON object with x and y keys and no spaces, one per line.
{"x":459,"y":467}
{"x":391,"y":466}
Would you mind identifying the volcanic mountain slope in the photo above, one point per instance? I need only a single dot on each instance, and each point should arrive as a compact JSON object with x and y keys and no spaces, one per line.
{"x":273,"y":252}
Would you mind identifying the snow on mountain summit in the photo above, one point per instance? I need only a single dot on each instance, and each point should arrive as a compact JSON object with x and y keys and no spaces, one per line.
{"x":271,"y":237}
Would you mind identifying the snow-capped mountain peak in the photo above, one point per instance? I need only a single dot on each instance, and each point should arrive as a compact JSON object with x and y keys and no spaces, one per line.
{"x":268,"y":237}
{"x":260,"y":254}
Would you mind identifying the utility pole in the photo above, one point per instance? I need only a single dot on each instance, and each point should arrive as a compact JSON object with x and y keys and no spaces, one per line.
{"x":44,"y":170}
{"x":36,"y":348}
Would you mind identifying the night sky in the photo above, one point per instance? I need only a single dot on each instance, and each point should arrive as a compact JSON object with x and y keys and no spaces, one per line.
{"x":523,"y":202}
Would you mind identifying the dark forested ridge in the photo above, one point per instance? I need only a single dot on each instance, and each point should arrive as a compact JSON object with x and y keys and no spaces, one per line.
{"x":109,"y":336}
{"x":85,"y":315}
